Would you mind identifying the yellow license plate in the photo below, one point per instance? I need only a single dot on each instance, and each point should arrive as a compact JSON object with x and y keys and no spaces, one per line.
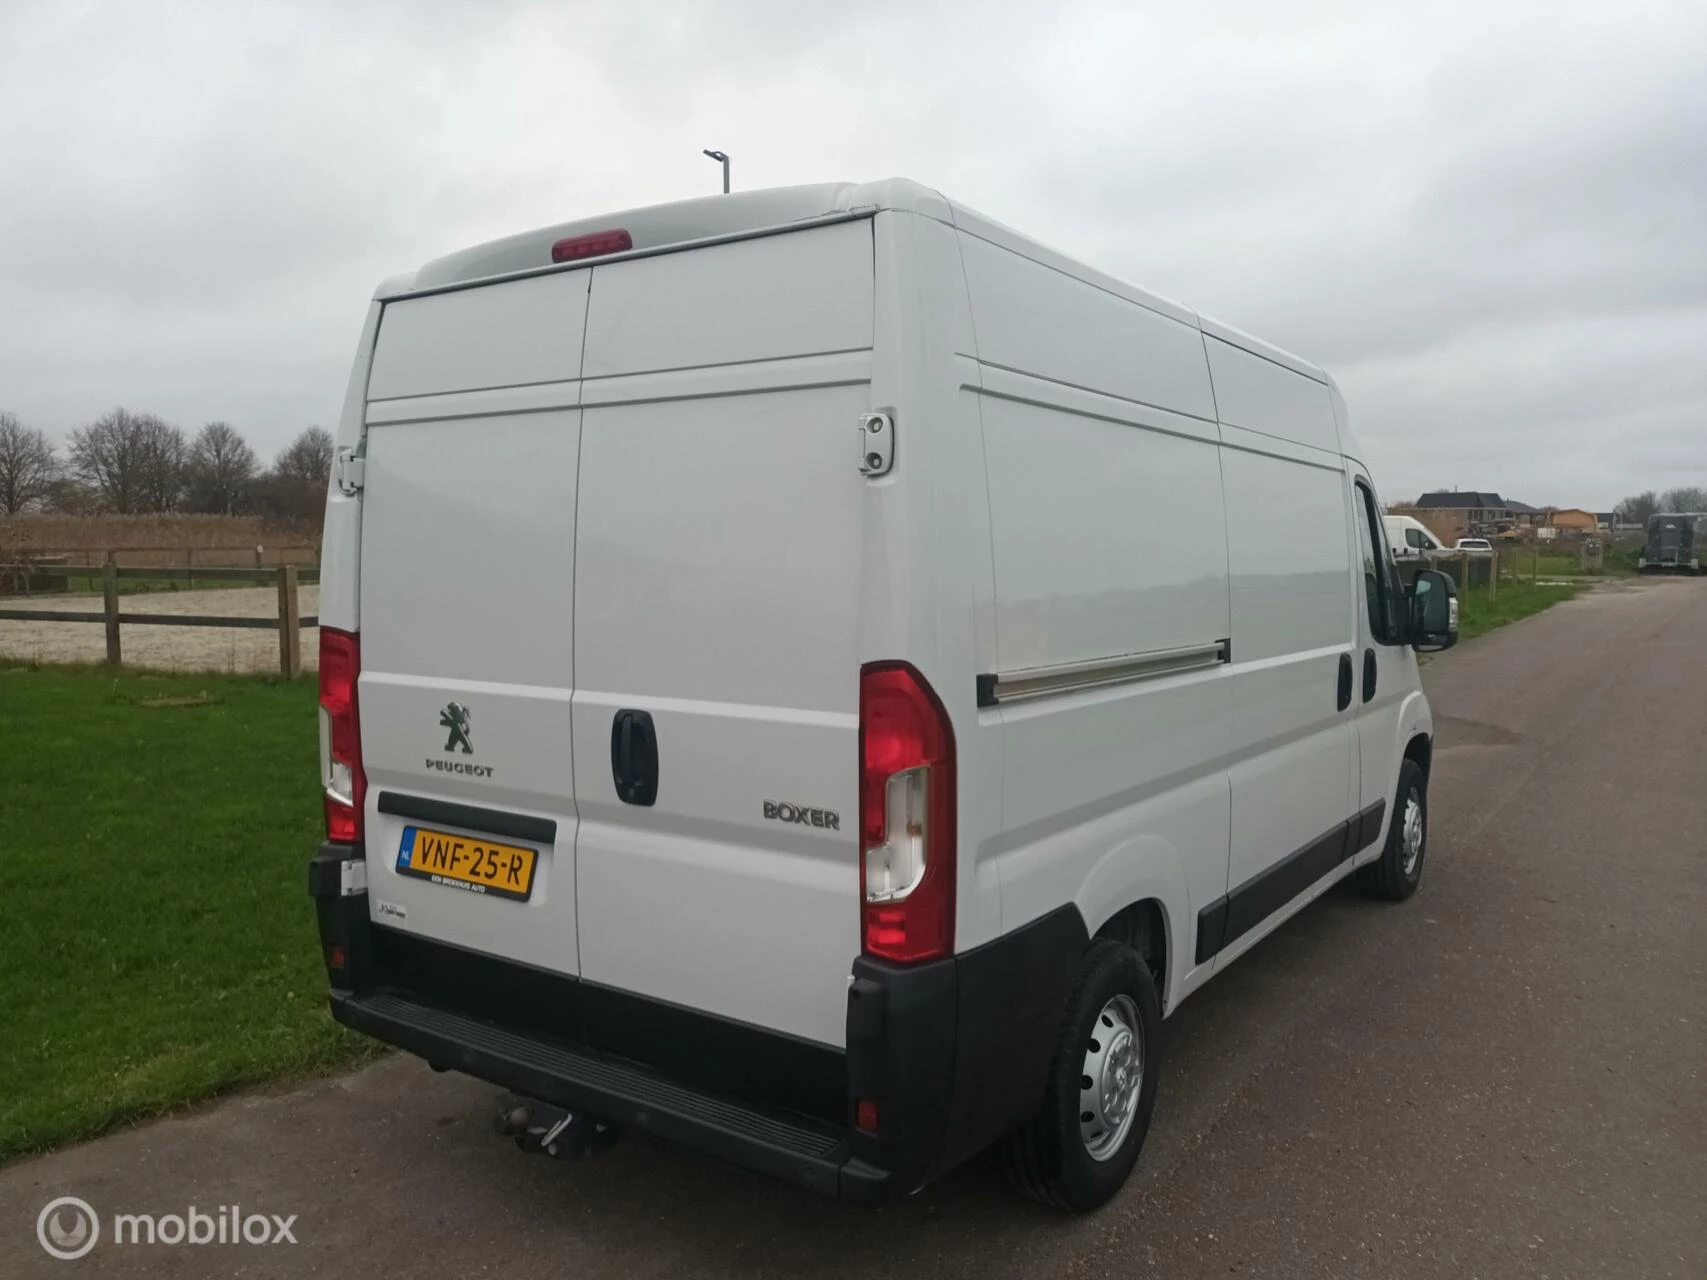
{"x":465,"y":862}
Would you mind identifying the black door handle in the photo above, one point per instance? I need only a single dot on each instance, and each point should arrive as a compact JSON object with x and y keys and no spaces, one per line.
{"x":634,"y":757}
{"x":1345,"y":681}
{"x":1368,"y":674}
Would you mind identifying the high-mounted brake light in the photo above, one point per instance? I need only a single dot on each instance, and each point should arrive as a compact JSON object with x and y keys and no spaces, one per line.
{"x":593,"y":245}
{"x":344,"y":782}
{"x":906,"y":811}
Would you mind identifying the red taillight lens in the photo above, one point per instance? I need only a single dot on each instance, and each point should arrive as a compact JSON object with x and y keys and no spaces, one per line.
{"x":906,"y":816}
{"x":591,"y":246}
{"x":344,"y":783}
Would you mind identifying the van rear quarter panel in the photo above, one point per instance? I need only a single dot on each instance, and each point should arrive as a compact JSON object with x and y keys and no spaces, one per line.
{"x":341,"y":533}
{"x":927,"y":594}
{"x":1109,"y":539}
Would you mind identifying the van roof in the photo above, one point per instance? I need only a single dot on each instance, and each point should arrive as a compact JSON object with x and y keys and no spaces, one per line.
{"x":654,"y":228}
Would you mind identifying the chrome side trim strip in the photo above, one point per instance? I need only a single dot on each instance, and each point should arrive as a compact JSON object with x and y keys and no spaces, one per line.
{"x":1005,"y":688}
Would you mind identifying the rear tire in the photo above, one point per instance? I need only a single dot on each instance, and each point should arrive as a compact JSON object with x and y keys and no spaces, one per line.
{"x":1395,"y":875}
{"x":1077,"y":1151}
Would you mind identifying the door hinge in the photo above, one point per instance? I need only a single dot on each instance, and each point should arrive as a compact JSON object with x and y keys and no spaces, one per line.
{"x":876,"y":444}
{"x":351,"y":470}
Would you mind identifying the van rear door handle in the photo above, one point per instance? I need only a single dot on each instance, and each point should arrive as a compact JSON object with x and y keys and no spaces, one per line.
{"x":634,"y":757}
{"x":1368,"y":674}
{"x":1345,"y":681}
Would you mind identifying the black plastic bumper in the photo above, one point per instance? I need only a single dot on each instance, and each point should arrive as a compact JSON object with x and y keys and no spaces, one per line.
{"x":952,"y":1053}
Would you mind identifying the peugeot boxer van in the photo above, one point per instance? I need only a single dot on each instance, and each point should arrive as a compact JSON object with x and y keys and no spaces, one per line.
{"x":1410,"y":538}
{"x":809,"y":675}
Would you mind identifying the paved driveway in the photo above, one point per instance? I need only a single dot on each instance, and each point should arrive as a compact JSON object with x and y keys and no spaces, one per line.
{"x":1501,"y":1078}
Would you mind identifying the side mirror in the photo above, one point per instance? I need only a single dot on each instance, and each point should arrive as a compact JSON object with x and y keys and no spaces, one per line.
{"x":1433,"y":616}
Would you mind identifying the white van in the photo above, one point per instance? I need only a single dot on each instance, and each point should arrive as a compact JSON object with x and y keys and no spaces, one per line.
{"x":807,"y":674}
{"x":1410,"y":538}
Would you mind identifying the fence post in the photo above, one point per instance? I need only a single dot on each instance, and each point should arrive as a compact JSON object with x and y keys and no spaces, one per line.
{"x":110,"y":606}
{"x":290,"y":624}
{"x":189,"y":568}
{"x":1535,"y":567}
{"x":1494,"y":579}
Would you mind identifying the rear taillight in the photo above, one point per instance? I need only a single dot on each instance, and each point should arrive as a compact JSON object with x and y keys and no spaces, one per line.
{"x":594,"y":245}
{"x":906,"y":810}
{"x":340,"y":735}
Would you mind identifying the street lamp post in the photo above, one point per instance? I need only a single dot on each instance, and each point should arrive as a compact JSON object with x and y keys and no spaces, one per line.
{"x":723,"y":157}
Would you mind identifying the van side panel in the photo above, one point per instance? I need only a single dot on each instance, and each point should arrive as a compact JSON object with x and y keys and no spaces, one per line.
{"x":1294,"y":763}
{"x":717,"y":585}
{"x":1109,"y":540}
{"x":1260,"y":395}
{"x":1038,"y":320}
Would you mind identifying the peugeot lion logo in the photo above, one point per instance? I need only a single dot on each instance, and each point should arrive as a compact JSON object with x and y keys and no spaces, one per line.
{"x":455,"y":717}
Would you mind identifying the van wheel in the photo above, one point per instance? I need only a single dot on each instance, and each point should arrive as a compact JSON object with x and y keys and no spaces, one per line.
{"x":1077,"y":1151}
{"x":1395,"y":875}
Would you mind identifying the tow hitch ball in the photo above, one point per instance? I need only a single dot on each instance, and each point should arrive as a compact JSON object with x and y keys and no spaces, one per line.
{"x":544,"y":1129}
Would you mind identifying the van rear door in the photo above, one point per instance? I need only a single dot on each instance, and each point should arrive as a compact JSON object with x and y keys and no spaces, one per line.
{"x":717,"y":588}
{"x":467,"y":617}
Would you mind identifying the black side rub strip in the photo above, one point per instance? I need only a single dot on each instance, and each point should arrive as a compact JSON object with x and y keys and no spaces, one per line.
{"x":473,"y":817}
{"x":1230,"y":917}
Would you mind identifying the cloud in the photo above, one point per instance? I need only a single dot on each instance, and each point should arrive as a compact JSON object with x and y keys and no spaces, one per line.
{"x":1487,"y":221}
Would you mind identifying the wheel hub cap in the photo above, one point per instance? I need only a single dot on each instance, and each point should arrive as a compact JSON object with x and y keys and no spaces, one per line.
{"x":1412,"y":834}
{"x":1111,"y":1079}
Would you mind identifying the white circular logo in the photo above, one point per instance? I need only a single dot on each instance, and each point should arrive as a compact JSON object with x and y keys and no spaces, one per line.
{"x":67,"y":1227}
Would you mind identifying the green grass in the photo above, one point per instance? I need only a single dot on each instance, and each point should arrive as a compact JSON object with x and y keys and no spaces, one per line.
{"x":1550,"y":565}
{"x":157,"y":943}
{"x":1477,"y":615}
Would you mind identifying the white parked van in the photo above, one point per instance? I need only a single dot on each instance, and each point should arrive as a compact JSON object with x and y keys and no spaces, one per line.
{"x":1410,"y":538}
{"x":808,"y":674}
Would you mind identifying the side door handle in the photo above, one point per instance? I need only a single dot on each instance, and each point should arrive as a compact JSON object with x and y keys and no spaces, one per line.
{"x":634,"y":757}
{"x":1368,"y":674}
{"x":1345,"y":681}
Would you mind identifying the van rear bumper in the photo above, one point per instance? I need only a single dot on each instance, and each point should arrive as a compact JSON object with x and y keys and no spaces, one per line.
{"x":795,"y":1149}
{"x":952,"y":1054}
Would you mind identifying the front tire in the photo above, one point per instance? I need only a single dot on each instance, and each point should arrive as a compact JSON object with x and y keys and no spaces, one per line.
{"x":1395,"y":875}
{"x":1077,"y":1151}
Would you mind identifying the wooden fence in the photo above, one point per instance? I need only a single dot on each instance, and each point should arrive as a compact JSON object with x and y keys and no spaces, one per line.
{"x":289,"y":622}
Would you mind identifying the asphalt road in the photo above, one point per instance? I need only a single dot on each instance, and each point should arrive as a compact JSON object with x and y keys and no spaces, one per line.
{"x":1503,"y":1077}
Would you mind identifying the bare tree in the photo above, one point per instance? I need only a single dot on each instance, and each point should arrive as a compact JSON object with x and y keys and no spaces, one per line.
{"x":220,"y":472}
{"x":1637,"y":509}
{"x":28,"y":465}
{"x":1688,"y":498}
{"x":134,"y":461}
{"x":295,"y":488}
{"x":308,"y":458}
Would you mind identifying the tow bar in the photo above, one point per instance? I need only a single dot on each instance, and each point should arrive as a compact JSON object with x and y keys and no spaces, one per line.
{"x":544,"y":1129}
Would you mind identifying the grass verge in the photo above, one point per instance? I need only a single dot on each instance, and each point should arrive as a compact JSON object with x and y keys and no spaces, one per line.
{"x":1477,"y":615}
{"x":156,"y":938}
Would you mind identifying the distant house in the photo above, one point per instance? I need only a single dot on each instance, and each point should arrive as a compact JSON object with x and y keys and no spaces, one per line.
{"x":1609,"y":521}
{"x":1573,"y":520}
{"x":1453,"y":513}
{"x":1523,"y":515}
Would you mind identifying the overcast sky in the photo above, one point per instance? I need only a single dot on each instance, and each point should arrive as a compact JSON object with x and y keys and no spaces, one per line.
{"x":1488,"y":220}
